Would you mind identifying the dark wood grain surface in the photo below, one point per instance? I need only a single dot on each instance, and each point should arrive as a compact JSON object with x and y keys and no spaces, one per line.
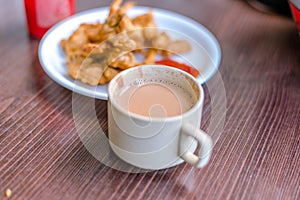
{"x":256,"y":157}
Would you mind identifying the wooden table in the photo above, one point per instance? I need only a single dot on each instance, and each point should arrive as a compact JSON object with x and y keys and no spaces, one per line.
{"x":256,"y":157}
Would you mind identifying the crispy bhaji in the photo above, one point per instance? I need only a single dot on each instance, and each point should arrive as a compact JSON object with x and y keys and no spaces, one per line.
{"x":95,"y":53}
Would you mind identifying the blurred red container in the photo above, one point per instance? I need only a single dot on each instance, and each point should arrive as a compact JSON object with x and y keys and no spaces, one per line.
{"x":43,"y":14}
{"x":295,"y":8}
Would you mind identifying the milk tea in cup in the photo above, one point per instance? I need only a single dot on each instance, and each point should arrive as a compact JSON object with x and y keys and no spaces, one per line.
{"x":153,"y":98}
{"x":154,"y":117}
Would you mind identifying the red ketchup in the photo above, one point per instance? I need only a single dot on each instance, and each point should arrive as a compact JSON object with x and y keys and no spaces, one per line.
{"x":171,"y":63}
{"x":43,"y":14}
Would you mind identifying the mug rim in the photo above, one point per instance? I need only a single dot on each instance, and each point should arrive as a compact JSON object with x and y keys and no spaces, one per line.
{"x":198,"y":103}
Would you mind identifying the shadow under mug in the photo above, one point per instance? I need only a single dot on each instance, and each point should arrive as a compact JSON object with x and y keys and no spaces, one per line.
{"x":152,"y":142}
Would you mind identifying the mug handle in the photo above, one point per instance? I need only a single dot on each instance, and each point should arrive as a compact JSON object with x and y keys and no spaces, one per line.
{"x":203,"y":139}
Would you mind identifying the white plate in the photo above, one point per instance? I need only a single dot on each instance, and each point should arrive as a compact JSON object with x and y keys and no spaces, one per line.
{"x":205,"y":54}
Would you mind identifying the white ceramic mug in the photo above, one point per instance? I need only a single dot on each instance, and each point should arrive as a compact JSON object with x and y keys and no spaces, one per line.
{"x":157,"y":143}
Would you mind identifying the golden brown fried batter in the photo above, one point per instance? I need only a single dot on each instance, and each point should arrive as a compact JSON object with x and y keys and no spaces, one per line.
{"x":95,"y":53}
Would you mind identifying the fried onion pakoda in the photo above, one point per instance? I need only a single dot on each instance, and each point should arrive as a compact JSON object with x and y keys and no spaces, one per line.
{"x":95,"y":53}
